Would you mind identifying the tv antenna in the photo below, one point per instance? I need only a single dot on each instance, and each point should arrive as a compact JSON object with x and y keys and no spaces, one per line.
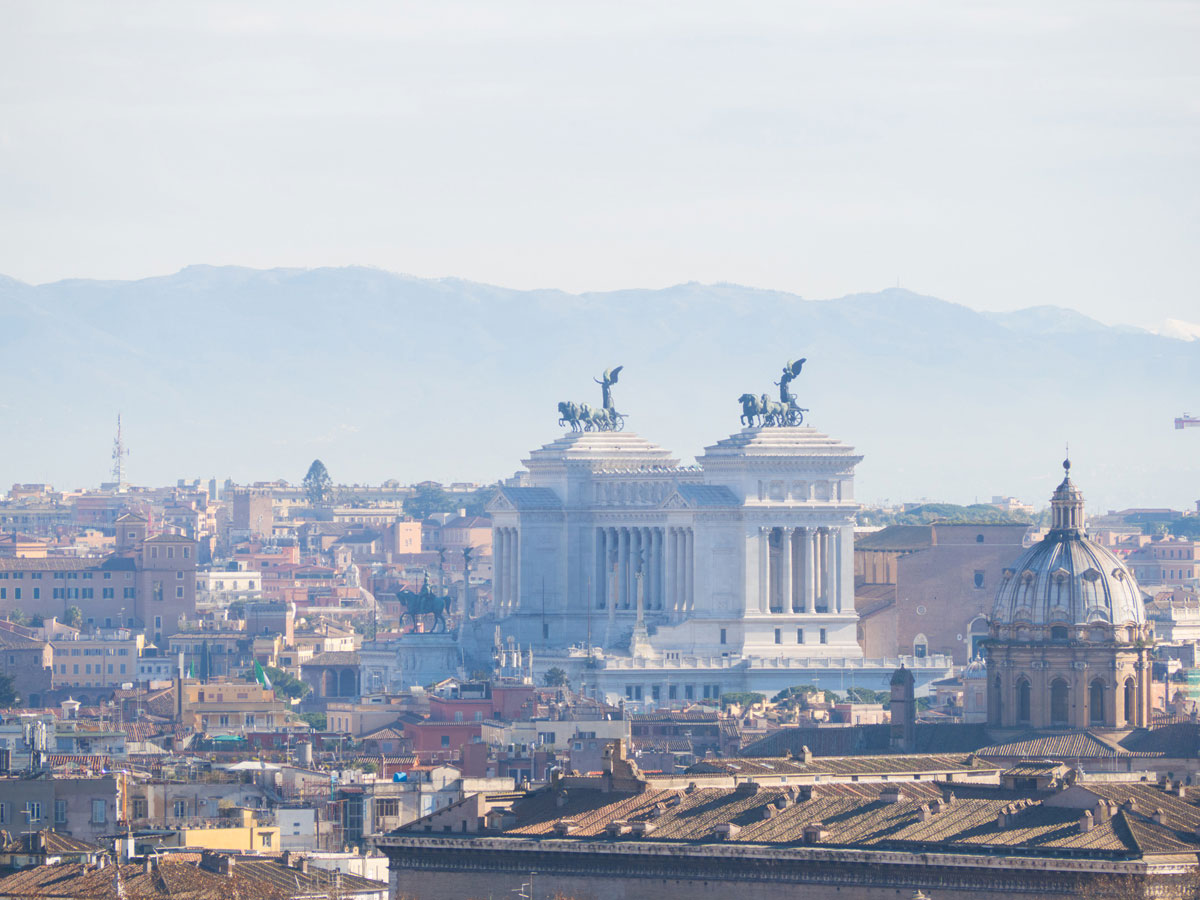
{"x":118,"y":454}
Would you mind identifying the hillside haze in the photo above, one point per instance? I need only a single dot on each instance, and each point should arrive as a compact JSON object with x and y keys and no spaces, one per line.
{"x":251,"y":374}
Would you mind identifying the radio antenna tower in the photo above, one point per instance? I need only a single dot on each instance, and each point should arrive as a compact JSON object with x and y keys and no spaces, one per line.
{"x":119,"y":453}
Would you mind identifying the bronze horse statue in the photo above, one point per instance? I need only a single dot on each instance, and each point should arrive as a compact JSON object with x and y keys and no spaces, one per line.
{"x":424,"y":603}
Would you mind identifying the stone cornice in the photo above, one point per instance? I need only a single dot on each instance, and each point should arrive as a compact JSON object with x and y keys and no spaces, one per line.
{"x":1009,"y":859}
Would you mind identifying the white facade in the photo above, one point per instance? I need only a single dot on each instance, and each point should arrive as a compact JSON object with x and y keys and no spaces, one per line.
{"x":748,"y":554}
{"x":219,"y":588}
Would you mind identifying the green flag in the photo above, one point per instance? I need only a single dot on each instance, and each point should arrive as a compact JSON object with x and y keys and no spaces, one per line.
{"x":261,"y":676}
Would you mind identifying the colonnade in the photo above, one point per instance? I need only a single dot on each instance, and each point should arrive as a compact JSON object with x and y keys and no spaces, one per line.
{"x":800,"y":569}
{"x":664,"y":557}
{"x":506,"y":568}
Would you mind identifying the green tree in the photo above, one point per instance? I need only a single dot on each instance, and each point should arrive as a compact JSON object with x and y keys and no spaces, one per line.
{"x":37,"y":620}
{"x":792,"y":696}
{"x":556,"y":677}
{"x":315,"y":720}
{"x":283,"y":683}
{"x":17,"y":616}
{"x":8,"y":694}
{"x":866,"y":695}
{"x":318,"y":486}
{"x":427,"y":500}
{"x":289,"y":685}
{"x":73,"y":617}
{"x":742,"y":698}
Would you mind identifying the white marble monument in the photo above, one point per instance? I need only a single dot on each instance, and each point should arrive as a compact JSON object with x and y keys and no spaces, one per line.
{"x":745,"y":562}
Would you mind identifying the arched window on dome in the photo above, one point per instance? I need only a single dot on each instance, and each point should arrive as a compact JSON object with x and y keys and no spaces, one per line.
{"x":1024,"y":700}
{"x":1130,"y":701}
{"x":1060,"y":695}
{"x":1096,"y":701}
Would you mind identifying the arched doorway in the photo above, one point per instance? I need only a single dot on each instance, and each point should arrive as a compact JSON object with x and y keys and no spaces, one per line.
{"x":347,"y":685}
{"x":1060,"y":694}
{"x":1096,"y":702}
{"x":1024,"y":700}
{"x":1130,"y":702}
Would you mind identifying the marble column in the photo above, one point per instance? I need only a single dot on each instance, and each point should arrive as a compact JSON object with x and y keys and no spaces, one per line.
{"x":785,"y":569}
{"x":810,"y":570}
{"x":689,"y":598}
{"x":835,"y":570}
{"x":598,"y":575}
{"x":658,"y":569}
{"x":515,"y":560}
{"x":497,"y":567}
{"x":669,"y":571}
{"x":823,"y":569}
{"x":623,"y":567}
{"x":796,"y":556}
{"x":764,"y":569}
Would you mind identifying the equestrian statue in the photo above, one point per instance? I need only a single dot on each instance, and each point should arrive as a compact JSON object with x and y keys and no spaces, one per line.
{"x":423,"y":603}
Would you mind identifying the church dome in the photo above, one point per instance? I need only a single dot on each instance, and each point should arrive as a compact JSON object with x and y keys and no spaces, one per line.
{"x":1066,"y":581}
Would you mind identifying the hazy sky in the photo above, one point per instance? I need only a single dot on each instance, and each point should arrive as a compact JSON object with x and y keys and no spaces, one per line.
{"x":1001,"y":154}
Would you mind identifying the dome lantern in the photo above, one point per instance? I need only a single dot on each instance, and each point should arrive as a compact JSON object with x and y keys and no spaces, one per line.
{"x":1066,"y":505}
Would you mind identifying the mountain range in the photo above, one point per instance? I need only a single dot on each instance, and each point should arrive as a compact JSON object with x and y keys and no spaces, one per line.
{"x":251,"y":374}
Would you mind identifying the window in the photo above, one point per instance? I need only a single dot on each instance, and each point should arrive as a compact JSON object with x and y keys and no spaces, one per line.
{"x":778,"y":635}
{"x":979,"y":538}
{"x":722,"y":635}
{"x":3,"y":813}
{"x":387,"y":808}
{"x":37,"y":593}
{"x":1024,"y":696}
{"x":99,"y":812}
{"x":978,"y":579}
{"x":799,"y":635}
{"x":60,"y":812}
{"x":1096,"y":702}
{"x":129,"y":593}
{"x":16,"y":593}
{"x":920,"y":646}
{"x":1058,"y":633}
{"x":33,"y":810}
{"x":445,"y":740}
{"x":179,"y":809}
{"x":106,"y":593}
{"x":265,"y":837}
{"x":1059,"y":695}
{"x":179,"y":593}
{"x":823,"y":637}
